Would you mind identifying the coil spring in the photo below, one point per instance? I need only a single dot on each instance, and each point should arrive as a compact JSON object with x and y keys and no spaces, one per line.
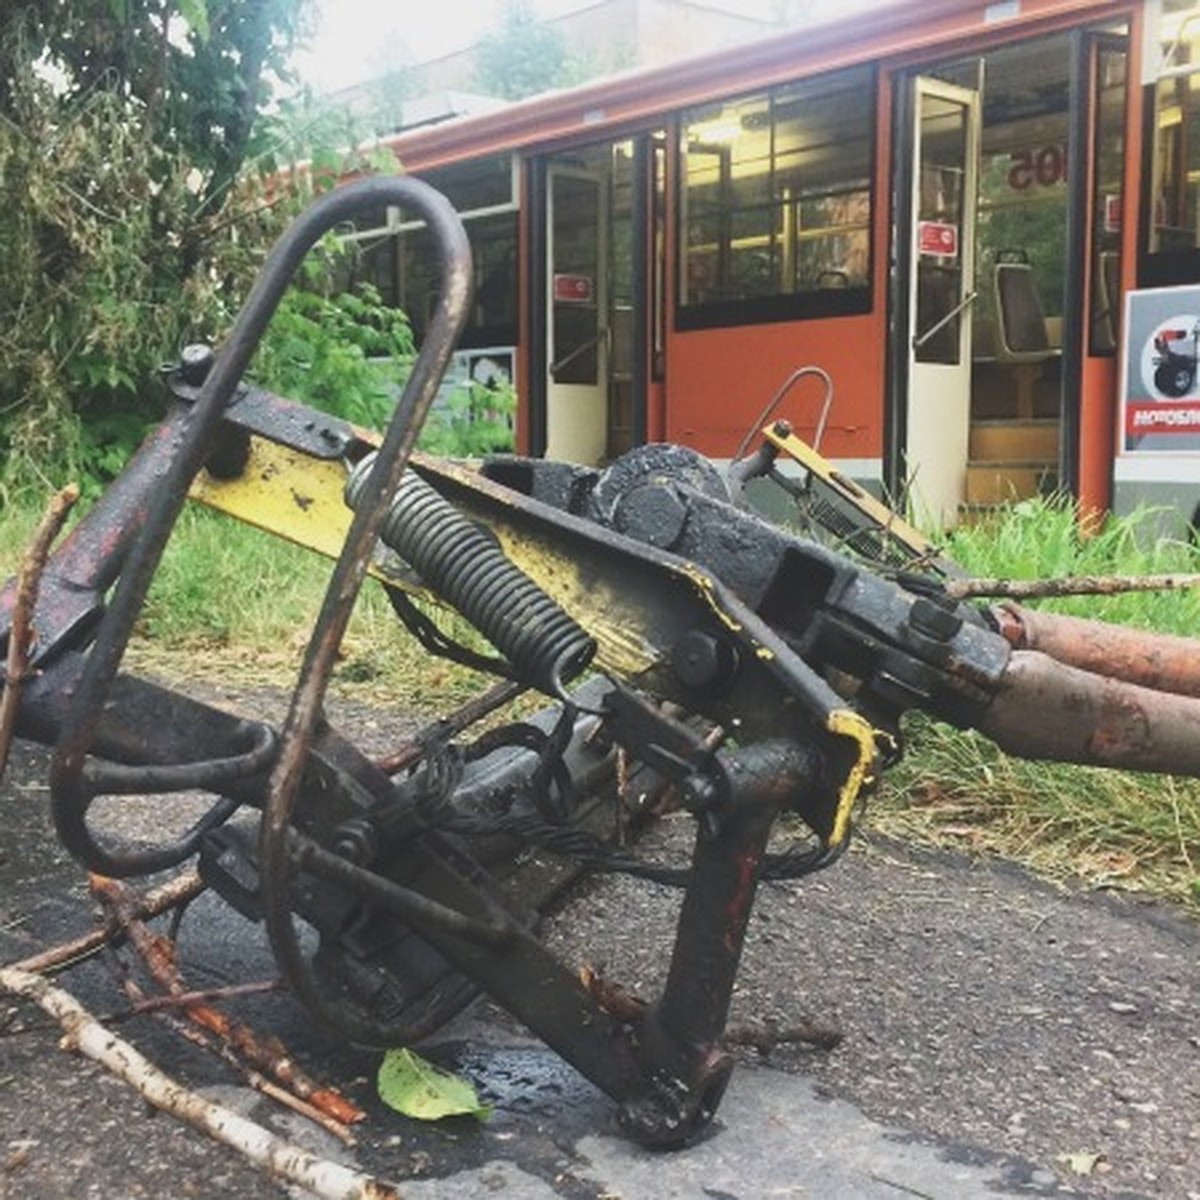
{"x":463,"y":564}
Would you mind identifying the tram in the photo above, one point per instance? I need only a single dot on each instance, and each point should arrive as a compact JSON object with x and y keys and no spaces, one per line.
{"x":979,"y":222}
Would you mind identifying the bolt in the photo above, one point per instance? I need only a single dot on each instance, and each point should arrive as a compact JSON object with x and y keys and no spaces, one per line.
{"x":195,"y":362}
{"x":933,"y":620}
{"x":704,"y":661}
{"x":698,"y":792}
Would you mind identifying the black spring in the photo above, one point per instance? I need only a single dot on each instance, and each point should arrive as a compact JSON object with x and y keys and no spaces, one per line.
{"x":463,"y":563}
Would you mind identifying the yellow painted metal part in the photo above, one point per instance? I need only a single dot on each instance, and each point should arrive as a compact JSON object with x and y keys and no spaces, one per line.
{"x":885,"y":518}
{"x":849,"y":724}
{"x":285,"y":492}
{"x":293,"y":496}
{"x":300,"y":498}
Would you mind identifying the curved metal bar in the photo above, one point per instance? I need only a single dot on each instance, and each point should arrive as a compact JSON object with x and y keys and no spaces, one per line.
{"x":193,"y":441}
{"x":276,"y":862}
{"x":104,"y":778}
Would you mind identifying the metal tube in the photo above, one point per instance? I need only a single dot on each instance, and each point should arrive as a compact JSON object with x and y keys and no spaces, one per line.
{"x":1045,"y":710}
{"x":1159,"y":661}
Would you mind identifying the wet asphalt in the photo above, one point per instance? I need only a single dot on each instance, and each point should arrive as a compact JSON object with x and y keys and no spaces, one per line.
{"x":1001,"y":1036}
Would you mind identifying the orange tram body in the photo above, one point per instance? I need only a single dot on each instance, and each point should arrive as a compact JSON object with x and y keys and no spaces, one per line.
{"x":981,"y":222}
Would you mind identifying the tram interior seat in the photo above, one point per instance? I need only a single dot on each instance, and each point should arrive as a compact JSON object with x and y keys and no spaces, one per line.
{"x":1108,"y":281}
{"x":1021,"y":335}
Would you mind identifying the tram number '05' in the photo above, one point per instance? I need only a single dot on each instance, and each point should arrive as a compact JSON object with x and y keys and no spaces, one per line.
{"x":1045,"y":167}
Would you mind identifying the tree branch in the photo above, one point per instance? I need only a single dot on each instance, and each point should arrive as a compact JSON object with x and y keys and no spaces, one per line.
{"x":20,"y":637}
{"x":172,"y":894}
{"x":285,"y":1161}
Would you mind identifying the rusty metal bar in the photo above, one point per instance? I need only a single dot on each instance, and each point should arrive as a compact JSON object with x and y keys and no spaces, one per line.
{"x":1045,"y":710}
{"x":1159,"y":661}
{"x":378,"y":490}
{"x":159,"y":486}
{"x":681,"y":1036}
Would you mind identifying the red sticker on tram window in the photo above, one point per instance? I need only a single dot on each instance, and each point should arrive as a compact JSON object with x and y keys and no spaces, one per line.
{"x":576,"y":288}
{"x":939,"y":238}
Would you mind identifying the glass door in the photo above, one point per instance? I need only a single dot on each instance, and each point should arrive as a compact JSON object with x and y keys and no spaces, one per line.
{"x":945,"y":155}
{"x":577,"y":322}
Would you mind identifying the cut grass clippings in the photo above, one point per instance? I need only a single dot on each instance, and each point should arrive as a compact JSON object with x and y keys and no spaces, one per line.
{"x":1103,"y":828}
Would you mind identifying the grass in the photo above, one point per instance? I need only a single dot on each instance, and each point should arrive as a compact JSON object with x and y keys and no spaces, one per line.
{"x":229,"y":603}
{"x":1102,"y":827}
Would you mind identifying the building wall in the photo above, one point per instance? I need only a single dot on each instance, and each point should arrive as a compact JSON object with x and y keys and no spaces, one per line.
{"x":616,"y":35}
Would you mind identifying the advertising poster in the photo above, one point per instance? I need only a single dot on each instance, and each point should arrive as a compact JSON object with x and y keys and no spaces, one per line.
{"x":493,"y":368}
{"x":1160,"y":382}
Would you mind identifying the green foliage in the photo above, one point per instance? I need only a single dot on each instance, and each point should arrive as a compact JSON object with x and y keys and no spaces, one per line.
{"x":526,"y":56}
{"x":349,"y":354}
{"x":194,"y":75}
{"x":344,"y":353}
{"x":474,"y":420}
{"x":128,"y":226}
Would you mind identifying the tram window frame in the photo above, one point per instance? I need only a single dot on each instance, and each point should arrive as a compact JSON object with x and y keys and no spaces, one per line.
{"x":805,"y":173}
{"x":398,"y":257}
{"x":1161,"y":263}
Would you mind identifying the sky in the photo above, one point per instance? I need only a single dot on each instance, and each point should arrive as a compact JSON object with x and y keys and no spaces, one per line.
{"x":358,"y":39}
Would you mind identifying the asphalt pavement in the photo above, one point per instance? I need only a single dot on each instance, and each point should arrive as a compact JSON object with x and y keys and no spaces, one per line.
{"x":1002,"y":1036}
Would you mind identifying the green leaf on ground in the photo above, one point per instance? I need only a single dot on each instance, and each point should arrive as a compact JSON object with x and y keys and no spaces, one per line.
{"x":424,"y":1092}
{"x":1082,"y":1162}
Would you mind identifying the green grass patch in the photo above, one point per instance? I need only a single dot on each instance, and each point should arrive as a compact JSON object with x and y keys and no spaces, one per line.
{"x":1107,"y":828}
{"x":231,"y":603}
{"x":1040,"y":539}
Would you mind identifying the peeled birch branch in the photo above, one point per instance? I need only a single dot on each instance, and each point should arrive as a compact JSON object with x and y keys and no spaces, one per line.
{"x":287,"y":1162}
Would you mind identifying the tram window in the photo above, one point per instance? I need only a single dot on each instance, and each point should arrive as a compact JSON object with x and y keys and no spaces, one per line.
{"x":1172,"y":242}
{"x":776,"y":203}
{"x":403,"y":266}
{"x":481,"y":183}
{"x":399,"y":257}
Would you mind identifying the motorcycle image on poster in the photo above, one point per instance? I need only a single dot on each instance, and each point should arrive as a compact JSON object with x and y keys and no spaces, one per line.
{"x":1161,"y":389}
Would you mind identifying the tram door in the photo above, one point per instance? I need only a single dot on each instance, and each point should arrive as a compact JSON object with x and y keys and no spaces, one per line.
{"x":577,"y":316}
{"x":941,"y":297}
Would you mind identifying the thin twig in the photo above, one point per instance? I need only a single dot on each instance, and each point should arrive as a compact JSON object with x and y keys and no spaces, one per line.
{"x":1068,"y":585}
{"x":183,"y":999}
{"x":20,"y":636}
{"x":764,"y":1036}
{"x":140,"y":1002}
{"x":265,"y":1054}
{"x":180,"y":890}
{"x":283,"y":1160}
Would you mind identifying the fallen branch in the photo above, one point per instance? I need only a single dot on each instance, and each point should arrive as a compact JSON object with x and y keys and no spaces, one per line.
{"x":265,"y":1054}
{"x":151,"y":1004}
{"x":20,"y":634}
{"x":141,"y":1003}
{"x":1067,"y":585}
{"x":765,"y":1036}
{"x":287,"y":1162}
{"x":175,"y":892}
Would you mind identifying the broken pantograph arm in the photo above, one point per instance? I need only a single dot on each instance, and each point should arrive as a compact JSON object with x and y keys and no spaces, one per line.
{"x":756,"y":672}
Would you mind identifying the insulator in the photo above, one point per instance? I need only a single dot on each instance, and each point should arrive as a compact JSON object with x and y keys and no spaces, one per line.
{"x":464,"y":564}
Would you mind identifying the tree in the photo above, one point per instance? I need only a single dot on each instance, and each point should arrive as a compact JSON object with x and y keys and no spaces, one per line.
{"x":127,"y":221}
{"x":524,"y":56}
